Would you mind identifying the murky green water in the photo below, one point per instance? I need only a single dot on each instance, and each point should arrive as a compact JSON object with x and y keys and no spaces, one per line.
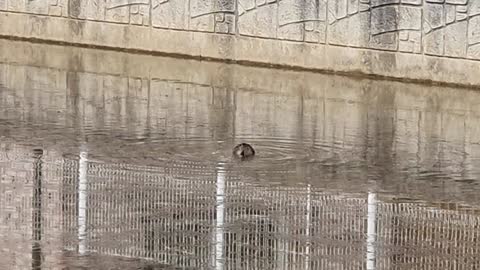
{"x":136,"y":171}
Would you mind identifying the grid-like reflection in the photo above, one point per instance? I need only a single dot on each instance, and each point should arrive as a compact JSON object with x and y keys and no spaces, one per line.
{"x":142,"y":212}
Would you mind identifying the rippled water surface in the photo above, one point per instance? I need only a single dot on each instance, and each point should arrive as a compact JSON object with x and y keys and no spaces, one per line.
{"x":119,"y":161}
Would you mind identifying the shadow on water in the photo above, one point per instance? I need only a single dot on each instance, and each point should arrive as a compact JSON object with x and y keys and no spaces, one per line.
{"x":135,"y":168}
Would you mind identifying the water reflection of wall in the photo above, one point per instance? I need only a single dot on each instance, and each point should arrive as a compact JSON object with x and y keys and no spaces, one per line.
{"x":31,"y":228}
{"x":145,"y":212}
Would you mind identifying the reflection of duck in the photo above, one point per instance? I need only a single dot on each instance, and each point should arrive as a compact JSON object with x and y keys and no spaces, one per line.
{"x":243,"y":151}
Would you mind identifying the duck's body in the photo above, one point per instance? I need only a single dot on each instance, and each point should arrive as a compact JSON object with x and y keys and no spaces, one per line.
{"x":243,"y":151}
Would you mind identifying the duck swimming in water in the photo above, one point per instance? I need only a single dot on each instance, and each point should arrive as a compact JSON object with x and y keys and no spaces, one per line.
{"x":243,"y":151}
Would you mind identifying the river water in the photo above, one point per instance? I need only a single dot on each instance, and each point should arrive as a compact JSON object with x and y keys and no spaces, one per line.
{"x":120,"y":161}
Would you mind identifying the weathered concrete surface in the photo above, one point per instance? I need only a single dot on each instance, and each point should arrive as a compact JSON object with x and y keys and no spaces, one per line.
{"x":420,"y":40}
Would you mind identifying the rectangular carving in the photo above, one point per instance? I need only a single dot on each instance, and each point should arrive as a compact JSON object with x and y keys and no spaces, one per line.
{"x":37,"y":6}
{"x":87,"y":9}
{"x":17,"y":5}
{"x":171,"y":14}
{"x":212,"y":16}
{"x":260,"y":21}
{"x":353,"y":30}
{"x":456,"y":39}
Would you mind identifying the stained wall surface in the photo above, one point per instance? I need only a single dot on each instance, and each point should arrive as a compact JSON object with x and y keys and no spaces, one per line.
{"x":435,"y":40}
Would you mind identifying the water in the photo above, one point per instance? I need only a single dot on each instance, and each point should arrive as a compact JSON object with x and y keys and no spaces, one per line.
{"x":136,"y":171}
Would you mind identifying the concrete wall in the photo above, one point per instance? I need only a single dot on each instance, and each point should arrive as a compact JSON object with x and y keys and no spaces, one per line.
{"x":435,"y":40}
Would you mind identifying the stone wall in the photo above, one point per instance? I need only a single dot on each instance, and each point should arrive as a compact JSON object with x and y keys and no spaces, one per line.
{"x":435,"y":40}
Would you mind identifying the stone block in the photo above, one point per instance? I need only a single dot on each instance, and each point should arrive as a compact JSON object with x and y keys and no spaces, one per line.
{"x":456,"y":39}
{"x":403,"y":35}
{"x":410,"y":18}
{"x":55,"y":11}
{"x":3,"y":4}
{"x":170,"y":14}
{"x":291,"y":32}
{"x":225,"y":24}
{"x":364,"y":7}
{"x":140,"y":14}
{"x":294,"y":11}
{"x":317,"y":35}
{"x":434,"y":42}
{"x":87,"y":9}
{"x":473,"y":52}
{"x":384,"y":19}
{"x":385,"y":41}
{"x":461,"y":16}
{"x":245,"y":5}
{"x":473,"y":8}
{"x":201,"y":7}
{"x":474,"y":31}
{"x":259,"y":22}
{"x":202,"y":15}
{"x":376,"y":3}
{"x":204,"y":23}
{"x":457,"y":2}
{"x":293,"y":14}
{"x":17,"y":6}
{"x":434,"y":16}
{"x":128,"y":11}
{"x":351,"y":31}
{"x":117,"y":14}
{"x":37,"y":6}
{"x":412,"y":2}
{"x":353,"y":7}
{"x":337,"y":9}
{"x":410,"y":41}
{"x":450,"y":14}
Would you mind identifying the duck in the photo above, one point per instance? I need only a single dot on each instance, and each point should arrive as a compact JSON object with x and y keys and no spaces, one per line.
{"x":243,"y":151}
{"x":37,"y":152}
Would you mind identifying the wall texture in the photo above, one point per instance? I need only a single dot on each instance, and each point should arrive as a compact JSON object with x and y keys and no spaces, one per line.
{"x":435,"y":40}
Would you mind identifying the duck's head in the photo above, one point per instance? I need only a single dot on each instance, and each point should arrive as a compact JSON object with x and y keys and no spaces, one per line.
{"x":243,"y":151}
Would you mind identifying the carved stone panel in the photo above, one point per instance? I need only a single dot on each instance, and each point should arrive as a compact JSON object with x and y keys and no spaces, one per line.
{"x":140,"y":12}
{"x":446,"y":27}
{"x":348,"y":29}
{"x":213,"y":16}
{"x":171,"y":14}
{"x":473,"y":37}
{"x":58,"y":8}
{"x":87,"y":9}
{"x":37,"y":6}
{"x":258,"y":19}
{"x":17,"y":6}
{"x":303,"y":20}
{"x":117,"y":11}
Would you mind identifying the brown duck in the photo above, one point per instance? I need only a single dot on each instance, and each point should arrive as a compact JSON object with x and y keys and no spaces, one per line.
{"x":243,"y":151}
